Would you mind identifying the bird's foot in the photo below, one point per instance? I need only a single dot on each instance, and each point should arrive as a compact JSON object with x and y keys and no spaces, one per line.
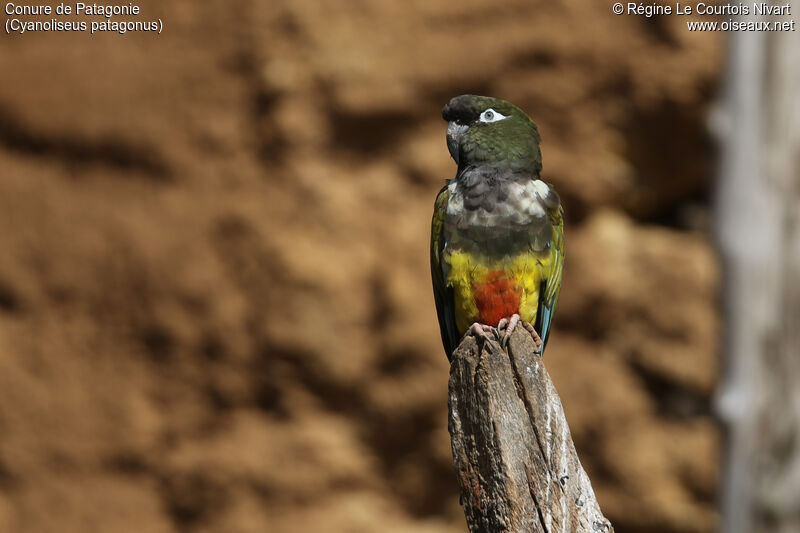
{"x":510,"y":324}
{"x":482,"y":332}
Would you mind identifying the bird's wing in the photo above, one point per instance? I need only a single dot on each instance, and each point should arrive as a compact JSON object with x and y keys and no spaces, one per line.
{"x":443,"y":294}
{"x":551,"y":284}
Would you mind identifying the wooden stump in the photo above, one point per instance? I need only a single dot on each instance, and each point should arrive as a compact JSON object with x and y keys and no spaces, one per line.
{"x":516,"y":464}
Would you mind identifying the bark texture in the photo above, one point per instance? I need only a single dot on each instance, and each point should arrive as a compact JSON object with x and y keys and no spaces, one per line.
{"x":515,"y":460}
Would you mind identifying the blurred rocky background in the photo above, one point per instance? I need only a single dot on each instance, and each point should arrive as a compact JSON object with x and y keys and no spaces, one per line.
{"x":215,"y":305}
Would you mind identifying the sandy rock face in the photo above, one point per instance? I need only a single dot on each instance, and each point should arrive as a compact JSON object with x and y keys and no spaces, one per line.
{"x":175,"y":212}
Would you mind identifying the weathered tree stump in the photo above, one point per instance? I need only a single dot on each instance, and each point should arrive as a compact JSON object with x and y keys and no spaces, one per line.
{"x":515,"y":460}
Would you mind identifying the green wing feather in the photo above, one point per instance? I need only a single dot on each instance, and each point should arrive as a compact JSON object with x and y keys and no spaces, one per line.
{"x":442,"y":293}
{"x":551,"y":285}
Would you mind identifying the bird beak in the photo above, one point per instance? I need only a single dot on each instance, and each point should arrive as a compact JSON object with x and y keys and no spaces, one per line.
{"x":455,"y":132}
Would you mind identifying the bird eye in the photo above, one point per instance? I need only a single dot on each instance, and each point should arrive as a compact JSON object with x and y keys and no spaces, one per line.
{"x":490,"y":115}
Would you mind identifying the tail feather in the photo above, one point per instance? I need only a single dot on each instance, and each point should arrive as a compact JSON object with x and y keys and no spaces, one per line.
{"x":547,"y":316}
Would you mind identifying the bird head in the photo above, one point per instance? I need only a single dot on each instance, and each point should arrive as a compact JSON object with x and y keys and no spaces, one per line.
{"x":482,"y":130}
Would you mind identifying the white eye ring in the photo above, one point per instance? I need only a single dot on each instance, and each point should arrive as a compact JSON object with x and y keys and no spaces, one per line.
{"x":490,"y":115}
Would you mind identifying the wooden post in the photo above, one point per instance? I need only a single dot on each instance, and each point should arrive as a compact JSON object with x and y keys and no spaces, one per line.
{"x":516,"y":464}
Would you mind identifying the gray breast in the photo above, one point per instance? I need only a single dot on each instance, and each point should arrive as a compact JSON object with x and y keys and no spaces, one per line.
{"x":497,"y":216}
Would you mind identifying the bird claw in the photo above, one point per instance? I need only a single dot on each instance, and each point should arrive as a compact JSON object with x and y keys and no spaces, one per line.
{"x":481,"y":331}
{"x":510,"y":324}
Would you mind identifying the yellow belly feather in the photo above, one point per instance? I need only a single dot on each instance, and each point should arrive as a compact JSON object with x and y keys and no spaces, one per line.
{"x":465,"y":270}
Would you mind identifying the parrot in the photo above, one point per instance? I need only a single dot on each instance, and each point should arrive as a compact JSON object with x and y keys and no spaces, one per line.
{"x":497,"y":233}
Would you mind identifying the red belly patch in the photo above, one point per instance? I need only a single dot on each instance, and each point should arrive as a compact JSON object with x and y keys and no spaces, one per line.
{"x":496,"y":298}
